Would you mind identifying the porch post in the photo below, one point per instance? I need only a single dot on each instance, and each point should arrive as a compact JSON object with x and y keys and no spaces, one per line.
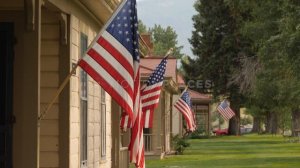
{"x":31,"y":89}
{"x":115,"y":134}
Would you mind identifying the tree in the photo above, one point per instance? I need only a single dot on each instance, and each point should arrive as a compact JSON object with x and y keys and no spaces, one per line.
{"x":164,"y":39}
{"x":142,"y":28}
{"x":218,"y":46}
{"x":274,"y":38}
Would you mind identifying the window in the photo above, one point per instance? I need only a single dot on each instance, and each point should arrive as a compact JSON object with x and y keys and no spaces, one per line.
{"x":103,"y":124}
{"x":83,"y":107}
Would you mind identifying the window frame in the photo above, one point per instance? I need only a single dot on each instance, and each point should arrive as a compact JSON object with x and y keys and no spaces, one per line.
{"x":83,"y":106}
{"x":103,"y":124}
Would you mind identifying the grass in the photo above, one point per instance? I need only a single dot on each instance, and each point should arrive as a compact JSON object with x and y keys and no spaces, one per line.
{"x":248,"y":151}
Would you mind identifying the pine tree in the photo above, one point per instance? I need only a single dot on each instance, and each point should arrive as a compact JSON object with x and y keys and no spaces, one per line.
{"x":218,"y":45}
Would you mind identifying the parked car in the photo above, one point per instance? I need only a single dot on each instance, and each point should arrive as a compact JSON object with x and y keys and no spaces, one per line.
{"x":221,"y":132}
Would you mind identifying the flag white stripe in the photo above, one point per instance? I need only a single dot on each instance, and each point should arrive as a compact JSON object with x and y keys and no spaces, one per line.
{"x":141,"y":144}
{"x":223,"y":113}
{"x":126,"y":121}
{"x":150,"y":103}
{"x":184,"y":112}
{"x":150,"y":95}
{"x":226,"y":113}
{"x":186,"y":107}
{"x":153,"y":86}
{"x":147,"y":118}
{"x":109,"y":79}
{"x":116,"y":44}
{"x":229,"y":112}
{"x":115,"y":63}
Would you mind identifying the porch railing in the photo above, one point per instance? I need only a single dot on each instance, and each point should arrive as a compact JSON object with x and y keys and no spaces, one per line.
{"x":124,"y":158}
{"x":148,"y":140}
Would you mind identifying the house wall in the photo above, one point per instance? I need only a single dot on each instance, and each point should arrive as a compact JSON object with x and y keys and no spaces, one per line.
{"x":176,"y":119}
{"x":40,"y":65}
{"x":161,"y":130}
{"x":167,"y":121}
{"x":94,"y":158}
{"x":157,"y":126}
{"x":50,"y":56}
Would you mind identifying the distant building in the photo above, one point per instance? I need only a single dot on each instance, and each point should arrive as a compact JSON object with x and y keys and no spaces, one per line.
{"x":158,"y":139}
{"x":201,"y":107}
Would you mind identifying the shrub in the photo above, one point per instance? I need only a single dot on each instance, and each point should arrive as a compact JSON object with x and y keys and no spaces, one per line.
{"x":179,"y":144}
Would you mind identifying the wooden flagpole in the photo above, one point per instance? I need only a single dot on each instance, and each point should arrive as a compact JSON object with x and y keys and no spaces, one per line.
{"x":61,"y":87}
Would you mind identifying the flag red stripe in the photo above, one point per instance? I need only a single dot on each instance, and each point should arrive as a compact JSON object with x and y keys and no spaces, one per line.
{"x":185,"y":114}
{"x":116,"y":54}
{"x":109,"y":68}
{"x":155,"y":97}
{"x":226,"y":113}
{"x":101,"y":81}
{"x":223,"y":113}
{"x":149,"y":119}
{"x":187,"y":119}
{"x":143,"y":93}
{"x":135,"y":131}
{"x":185,"y":107}
{"x":149,"y":107}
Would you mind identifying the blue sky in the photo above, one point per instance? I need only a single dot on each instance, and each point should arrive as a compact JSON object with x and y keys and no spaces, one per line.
{"x":175,"y":13}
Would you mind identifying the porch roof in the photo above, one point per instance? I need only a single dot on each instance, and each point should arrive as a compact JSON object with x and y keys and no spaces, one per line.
{"x":149,"y":64}
{"x":199,"y":97}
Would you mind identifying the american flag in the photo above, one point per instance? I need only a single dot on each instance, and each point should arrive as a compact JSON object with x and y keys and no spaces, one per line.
{"x":183,"y":104}
{"x":113,"y":57}
{"x":150,"y":93}
{"x":112,"y":60}
{"x":224,"y":109}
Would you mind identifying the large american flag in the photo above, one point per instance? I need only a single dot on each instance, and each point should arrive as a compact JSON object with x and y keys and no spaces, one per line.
{"x":150,"y":93}
{"x":183,"y":104}
{"x":113,"y":57}
{"x":112,"y":60}
{"x":225,"y":110}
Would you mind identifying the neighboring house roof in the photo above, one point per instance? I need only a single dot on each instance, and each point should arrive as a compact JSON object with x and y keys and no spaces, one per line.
{"x":149,"y":64}
{"x":199,"y":97}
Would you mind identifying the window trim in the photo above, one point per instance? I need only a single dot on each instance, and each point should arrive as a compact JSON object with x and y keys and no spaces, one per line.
{"x":83,"y":99}
{"x":103,"y":150}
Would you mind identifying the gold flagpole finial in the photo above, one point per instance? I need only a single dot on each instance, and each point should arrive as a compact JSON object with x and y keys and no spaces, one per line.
{"x":169,"y":52}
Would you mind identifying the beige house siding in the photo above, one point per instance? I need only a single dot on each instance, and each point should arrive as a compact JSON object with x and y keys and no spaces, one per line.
{"x":176,"y":119}
{"x":49,"y":133}
{"x":94,"y":139}
{"x":157,"y":127}
{"x":167,"y":121}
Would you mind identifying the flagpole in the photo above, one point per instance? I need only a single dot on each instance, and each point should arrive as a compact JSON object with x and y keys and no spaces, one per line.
{"x":59,"y":90}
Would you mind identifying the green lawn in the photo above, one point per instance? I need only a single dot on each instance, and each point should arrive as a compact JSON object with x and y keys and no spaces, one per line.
{"x":235,"y":151}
